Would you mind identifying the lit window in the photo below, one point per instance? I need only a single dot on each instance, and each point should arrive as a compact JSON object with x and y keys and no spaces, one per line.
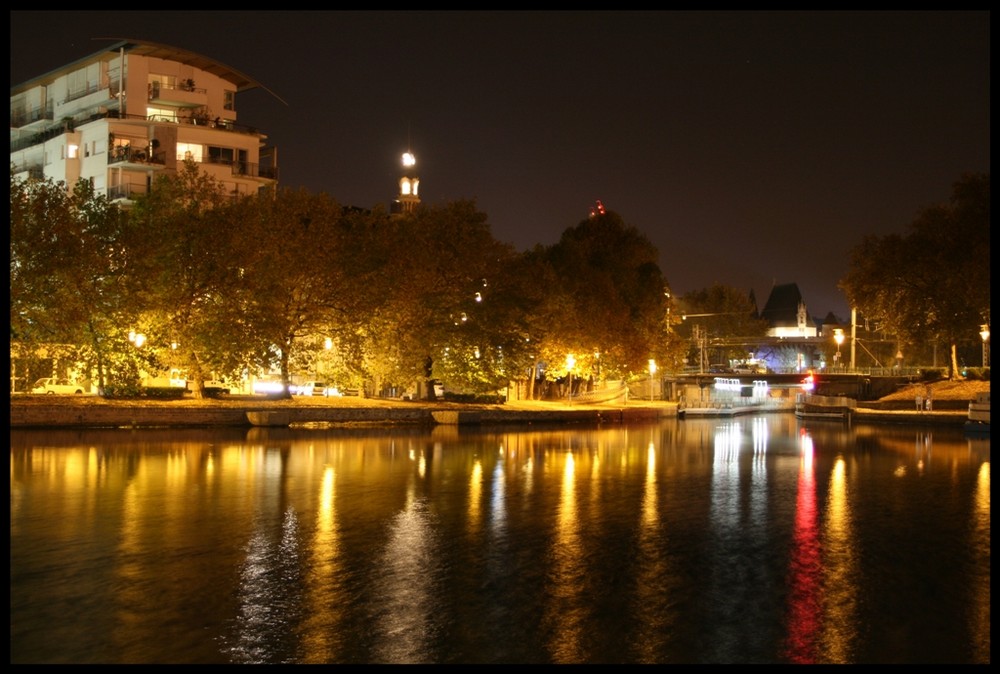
{"x":74,"y":151}
{"x":189,"y":151}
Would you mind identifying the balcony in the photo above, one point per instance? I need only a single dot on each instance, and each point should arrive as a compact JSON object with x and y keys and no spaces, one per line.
{"x":29,"y":170}
{"x":22,"y":118}
{"x":182,"y":95}
{"x":126,"y":192}
{"x":132,"y":157}
{"x":245,"y":169}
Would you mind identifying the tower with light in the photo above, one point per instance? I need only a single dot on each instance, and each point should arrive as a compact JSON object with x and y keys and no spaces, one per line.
{"x":409,"y":186}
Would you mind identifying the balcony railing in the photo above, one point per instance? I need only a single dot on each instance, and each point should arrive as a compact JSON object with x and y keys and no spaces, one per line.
{"x":127,"y":191}
{"x":131,"y":155}
{"x":33,"y":169}
{"x":244,"y":168}
{"x":19,"y":118}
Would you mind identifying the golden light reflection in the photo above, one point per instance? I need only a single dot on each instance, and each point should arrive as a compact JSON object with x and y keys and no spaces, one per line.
{"x":839,"y":573}
{"x":320,"y":643}
{"x":655,"y":596}
{"x":129,"y":570}
{"x":980,"y":600}
{"x":649,"y":496}
{"x":475,"y":495}
{"x":567,"y":573}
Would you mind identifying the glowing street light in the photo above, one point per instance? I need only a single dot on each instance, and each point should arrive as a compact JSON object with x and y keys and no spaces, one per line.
{"x":984,"y":332}
{"x":838,"y":337}
{"x":652,"y":371}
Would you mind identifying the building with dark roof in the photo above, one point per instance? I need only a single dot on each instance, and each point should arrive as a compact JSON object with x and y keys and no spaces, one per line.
{"x":786,"y":313}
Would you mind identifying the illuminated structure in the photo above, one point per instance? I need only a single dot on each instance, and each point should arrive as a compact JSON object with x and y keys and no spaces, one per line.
{"x":409,"y":186}
{"x":124,"y":114}
{"x":786,"y":314}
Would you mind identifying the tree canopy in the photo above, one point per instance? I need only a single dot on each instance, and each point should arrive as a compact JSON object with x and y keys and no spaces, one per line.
{"x":931,"y":284}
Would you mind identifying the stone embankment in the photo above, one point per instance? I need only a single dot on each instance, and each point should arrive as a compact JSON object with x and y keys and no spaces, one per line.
{"x":950,"y":406}
{"x":91,"y":412}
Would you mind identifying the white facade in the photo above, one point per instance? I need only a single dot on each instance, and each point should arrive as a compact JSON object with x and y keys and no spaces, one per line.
{"x":120,"y":116}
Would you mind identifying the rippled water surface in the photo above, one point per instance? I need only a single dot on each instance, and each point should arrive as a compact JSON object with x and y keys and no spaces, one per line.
{"x":759,"y":540}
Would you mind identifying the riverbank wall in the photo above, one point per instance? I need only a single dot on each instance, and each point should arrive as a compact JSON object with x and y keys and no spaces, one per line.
{"x":110,"y":414}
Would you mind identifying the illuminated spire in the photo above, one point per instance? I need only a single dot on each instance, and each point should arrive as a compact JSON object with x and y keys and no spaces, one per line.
{"x":409,"y":186}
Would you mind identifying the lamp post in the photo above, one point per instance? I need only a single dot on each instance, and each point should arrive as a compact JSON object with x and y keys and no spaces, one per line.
{"x":984,"y":332}
{"x":652,"y":371}
{"x":838,"y":337}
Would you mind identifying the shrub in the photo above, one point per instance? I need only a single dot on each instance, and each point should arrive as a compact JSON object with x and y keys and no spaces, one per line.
{"x":163,"y":392}
{"x":120,"y":391}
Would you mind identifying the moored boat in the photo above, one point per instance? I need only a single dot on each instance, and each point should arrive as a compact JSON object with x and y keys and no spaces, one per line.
{"x":979,"y":413}
{"x":824,"y":407}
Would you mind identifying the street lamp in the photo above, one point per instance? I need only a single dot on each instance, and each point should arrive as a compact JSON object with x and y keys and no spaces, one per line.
{"x":984,"y":332}
{"x":570,"y":362}
{"x":652,"y":371}
{"x":838,"y":337}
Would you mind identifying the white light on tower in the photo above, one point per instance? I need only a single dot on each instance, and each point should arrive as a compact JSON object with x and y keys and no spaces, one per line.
{"x":409,"y":159}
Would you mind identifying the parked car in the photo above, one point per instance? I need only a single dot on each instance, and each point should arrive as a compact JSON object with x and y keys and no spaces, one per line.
{"x":53,"y":385}
{"x":316,"y":388}
{"x":211,"y":387}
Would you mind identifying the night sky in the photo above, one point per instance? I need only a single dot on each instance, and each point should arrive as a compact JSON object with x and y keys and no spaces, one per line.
{"x":752,"y":148}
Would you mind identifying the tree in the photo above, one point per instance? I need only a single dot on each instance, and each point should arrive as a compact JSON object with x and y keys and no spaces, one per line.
{"x":439,"y":302}
{"x":305,"y":271}
{"x":726,"y":315}
{"x":609,"y":298}
{"x":184,"y":246}
{"x":933,"y":282}
{"x":72,"y":277}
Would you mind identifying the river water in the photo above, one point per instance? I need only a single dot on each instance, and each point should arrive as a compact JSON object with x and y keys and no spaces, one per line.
{"x":763,"y":539}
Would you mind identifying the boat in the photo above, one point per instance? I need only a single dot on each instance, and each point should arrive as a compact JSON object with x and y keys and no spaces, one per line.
{"x":729,"y":409}
{"x":728,"y":398}
{"x":979,"y":414}
{"x":824,"y":407}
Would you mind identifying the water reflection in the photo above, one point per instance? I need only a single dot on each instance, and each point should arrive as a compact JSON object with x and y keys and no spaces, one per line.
{"x":757,"y":540}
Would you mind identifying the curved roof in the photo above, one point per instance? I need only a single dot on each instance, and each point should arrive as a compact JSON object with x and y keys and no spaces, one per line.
{"x":156,"y":50}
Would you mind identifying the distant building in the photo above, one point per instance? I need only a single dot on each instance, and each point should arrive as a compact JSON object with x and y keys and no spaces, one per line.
{"x":131,"y":111}
{"x":786,"y":313}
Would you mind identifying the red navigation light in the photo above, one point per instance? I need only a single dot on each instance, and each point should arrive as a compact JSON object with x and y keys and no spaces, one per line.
{"x":809,"y":383}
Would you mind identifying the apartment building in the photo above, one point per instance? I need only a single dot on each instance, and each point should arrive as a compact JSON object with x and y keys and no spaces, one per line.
{"x":135,"y":109}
